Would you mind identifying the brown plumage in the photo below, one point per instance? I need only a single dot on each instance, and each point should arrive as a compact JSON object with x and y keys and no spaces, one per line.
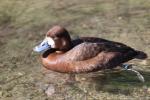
{"x":85,"y":54}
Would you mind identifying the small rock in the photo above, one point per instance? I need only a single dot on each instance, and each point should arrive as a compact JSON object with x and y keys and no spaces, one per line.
{"x":119,"y":18}
{"x":44,"y":87}
{"x":83,"y":79}
{"x":20,"y":73}
{"x":50,"y":90}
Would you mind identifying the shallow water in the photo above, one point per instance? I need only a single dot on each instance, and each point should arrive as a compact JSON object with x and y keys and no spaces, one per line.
{"x":22,"y":76}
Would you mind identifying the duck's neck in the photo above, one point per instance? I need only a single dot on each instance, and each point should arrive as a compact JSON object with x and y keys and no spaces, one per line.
{"x":56,"y":60}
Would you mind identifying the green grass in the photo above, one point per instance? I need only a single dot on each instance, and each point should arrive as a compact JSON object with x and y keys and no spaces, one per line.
{"x":24,"y":23}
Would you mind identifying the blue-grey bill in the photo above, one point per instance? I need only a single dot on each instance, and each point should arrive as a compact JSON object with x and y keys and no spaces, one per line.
{"x":42,"y":47}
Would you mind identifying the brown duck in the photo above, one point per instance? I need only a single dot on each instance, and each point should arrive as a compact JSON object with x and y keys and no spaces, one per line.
{"x":85,"y":54}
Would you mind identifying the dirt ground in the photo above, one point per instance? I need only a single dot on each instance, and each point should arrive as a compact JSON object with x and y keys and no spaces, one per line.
{"x":24,"y":23}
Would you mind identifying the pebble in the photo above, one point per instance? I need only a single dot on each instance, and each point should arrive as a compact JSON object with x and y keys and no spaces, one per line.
{"x":21,"y":73}
{"x":83,"y":79}
{"x":50,"y":90}
{"x":119,"y":18}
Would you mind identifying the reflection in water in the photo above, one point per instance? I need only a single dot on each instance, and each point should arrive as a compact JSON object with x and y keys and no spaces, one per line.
{"x":122,"y":82}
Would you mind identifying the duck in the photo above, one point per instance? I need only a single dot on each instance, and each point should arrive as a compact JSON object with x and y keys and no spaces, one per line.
{"x":62,"y":54}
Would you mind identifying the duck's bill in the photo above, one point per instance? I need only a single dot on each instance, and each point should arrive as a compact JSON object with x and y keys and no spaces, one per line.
{"x":42,"y":47}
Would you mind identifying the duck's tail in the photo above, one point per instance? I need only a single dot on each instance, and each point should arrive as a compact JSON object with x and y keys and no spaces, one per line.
{"x":141,"y":55}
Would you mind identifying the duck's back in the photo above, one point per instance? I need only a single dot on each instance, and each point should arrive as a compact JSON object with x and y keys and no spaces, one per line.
{"x":105,"y":45}
{"x":85,"y":48}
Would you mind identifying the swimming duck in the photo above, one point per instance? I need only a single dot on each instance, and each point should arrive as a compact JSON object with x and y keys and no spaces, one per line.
{"x":84,"y":54}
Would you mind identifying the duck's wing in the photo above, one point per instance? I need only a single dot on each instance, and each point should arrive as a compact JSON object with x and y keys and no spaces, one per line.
{"x":84,"y":51}
{"x":88,"y":57}
{"x":88,"y":50}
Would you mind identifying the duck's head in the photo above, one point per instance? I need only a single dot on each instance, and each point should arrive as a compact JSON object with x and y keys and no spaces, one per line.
{"x":56,"y":38}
